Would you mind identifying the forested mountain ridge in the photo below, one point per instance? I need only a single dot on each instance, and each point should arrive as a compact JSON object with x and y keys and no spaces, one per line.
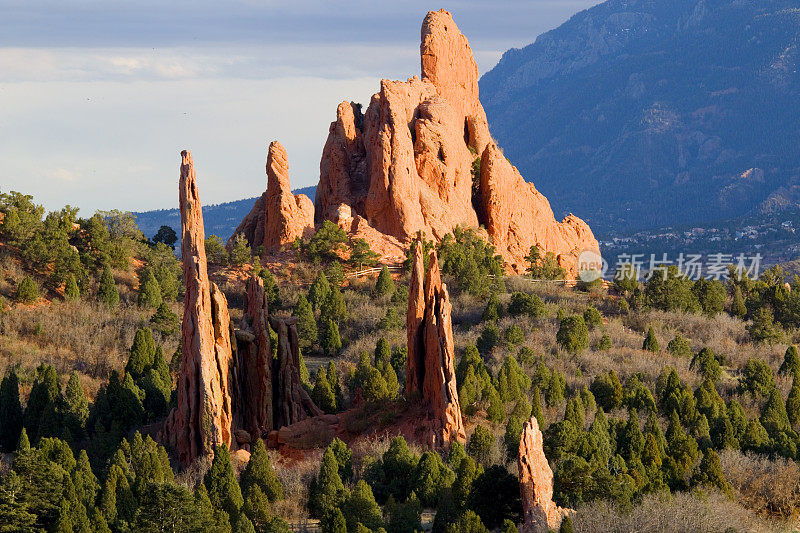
{"x":638,"y":114}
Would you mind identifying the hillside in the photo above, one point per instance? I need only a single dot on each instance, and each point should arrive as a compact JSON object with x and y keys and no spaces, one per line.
{"x":221,"y":219}
{"x":639,"y":114}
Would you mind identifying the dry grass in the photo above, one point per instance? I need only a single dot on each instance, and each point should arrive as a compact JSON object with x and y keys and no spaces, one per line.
{"x":764,"y":485}
{"x":694,"y":512}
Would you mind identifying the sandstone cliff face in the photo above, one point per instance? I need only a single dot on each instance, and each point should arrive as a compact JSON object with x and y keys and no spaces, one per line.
{"x":540,"y":513}
{"x":203,"y":415}
{"x":406,"y":165}
{"x":429,"y":369}
{"x":278,"y":216}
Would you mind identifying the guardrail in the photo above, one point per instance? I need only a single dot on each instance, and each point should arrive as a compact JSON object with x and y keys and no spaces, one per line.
{"x":374,"y":270}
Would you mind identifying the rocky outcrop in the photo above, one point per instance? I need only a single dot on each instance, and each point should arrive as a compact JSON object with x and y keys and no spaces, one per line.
{"x":278,"y":216}
{"x":517,"y":216}
{"x":429,"y":367}
{"x":540,"y":513}
{"x":253,"y":366}
{"x":291,"y":402}
{"x":203,"y":414}
{"x":414,"y":161}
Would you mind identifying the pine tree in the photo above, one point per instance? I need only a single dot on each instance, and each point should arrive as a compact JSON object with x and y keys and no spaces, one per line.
{"x":164,"y":320}
{"x":466,"y":474}
{"x":679,"y":346}
{"x":71,"y":291}
{"x":15,"y":513}
{"x":27,"y":291}
{"x":773,"y":416}
{"x":306,"y":323}
{"x":107,"y":293}
{"x":384,"y":286}
{"x":592,"y":317}
{"x":480,"y":445}
{"x":329,"y":491}
{"x":605,"y":343}
{"x":149,"y":291}
{"x":318,"y":293}
{"x":344,"y":458}
{"x":10,"y":412}
{"x":220,"y":481}
{"x":650,"y":342}
{"x":738,"y":307}
{"x":493,"y":309}
{"x":513,"y":436}
{"x":573,"y":335}
{"x":322,"y":394}
{"x":259,"y":473}
{"x":331,"y":342}
{"x":86,"y":485}
{"x":793,"y":403}
{"x":566,"y":526}
{"x":383,"y":352}
{"x":791,"y":362}
{"x":496,"y":411}
{"x":76,"y":407}
{"x":142,"y":355}
{"x":428,"y":478}
{"x":334,"y":307}
{"x":710,"y":472}
{"x":706,"y":363}
{"x":41,"y":405}
{"x":271,"y":290}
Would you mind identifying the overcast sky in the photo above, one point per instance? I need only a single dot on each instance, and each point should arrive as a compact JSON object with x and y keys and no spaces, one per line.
{"x":97,"y":98}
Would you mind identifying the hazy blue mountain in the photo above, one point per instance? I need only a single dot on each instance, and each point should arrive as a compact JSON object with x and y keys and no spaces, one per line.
{"x":642,"y":113}
{"x":219,"y":219}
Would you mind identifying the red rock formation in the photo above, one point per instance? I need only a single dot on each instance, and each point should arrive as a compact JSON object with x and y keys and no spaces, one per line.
{"x":203,"y":415}
{"x":518,"y":216}
{"x":253,"y":398}
{"x":540,"y":513}
{"x":278,"y":216}
{"x":408,"y":164}
{"x":429,"y":367}
{"x":291,"y":402}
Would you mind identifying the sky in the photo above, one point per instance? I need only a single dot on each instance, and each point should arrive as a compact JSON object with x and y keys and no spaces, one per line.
{"x":98,"y":98}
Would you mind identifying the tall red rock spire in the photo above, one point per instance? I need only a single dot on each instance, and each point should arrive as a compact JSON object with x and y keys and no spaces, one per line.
{"x":202,"y":417}
{"x":430,"y":372}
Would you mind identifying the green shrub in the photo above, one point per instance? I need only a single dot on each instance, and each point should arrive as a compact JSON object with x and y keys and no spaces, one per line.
{"x":216,"y":253}
{"x":527,"y":304}
{"x":650,"y":342}
{"x":592,"y":317}
{"x":240,"y":253}
{"x":27,"y":291}
{"x":384,"y":286}
{"x":679,"y":347}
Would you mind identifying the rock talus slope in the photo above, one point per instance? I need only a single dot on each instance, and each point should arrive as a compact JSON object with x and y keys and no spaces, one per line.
{"x":540,"y":513}
{"x":202,"y":417}
{"x":430,"y":371}
{"x":414,"y":161}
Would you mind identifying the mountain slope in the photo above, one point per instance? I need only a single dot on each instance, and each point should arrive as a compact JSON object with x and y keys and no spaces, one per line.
{"x":645,"y":113}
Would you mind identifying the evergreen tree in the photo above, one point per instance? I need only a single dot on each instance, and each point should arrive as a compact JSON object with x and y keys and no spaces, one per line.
{"x":607,"y":390}
{"x":430,"y":476}
{"x":318,"y":293}
{"x":331,"y":342}
{"x":71,"y":291}
{"x":259,"y":473}
{"x":757,"y":377}
{"x":650,"y":342}
{"x":86,"y":485}
{"x":763,"y":328}
{"x":334,"y":307}
{"x":306,"y":323}
{"x":360,"y":508}
{"x":710,"y":472}
{"x":468,"y":471}
{"x":385,"y":285}
{"x":592,"y":317}
{"x":566,"y":526}
{"x":76,"y":407}
{"x":468,"y":522}
{"x":10,"y":412}
{"x":738,"y":307}
{"x":480,"y":445}
{"x":329,"y":492}
{"x":149,"y":290}
{"x":164,"y":320}
{"x":271,"y":290}
{"x":493,"y":309}
{"x":27,"y":291}
{"x":573,"y":335}
{"x":773,"y":416}
{"x":39,"y":418}
{"x":755,"y":437}
{"x":142,"y":355}
{"x":793,"y":403}
{"x":496,"y":411}
{"x":791,"y":362}
{"x":220,"y":481}
{"x":383,"y":352}
{"x":604,"y":344}
{"x":322,"y":394}
{"x":513,"y":436}
{"x":536,"y":407}
{"x":107,"y":293}
{"x":707,"y":365}
{"x":679,"y":346}
{"x":15,"y":512}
